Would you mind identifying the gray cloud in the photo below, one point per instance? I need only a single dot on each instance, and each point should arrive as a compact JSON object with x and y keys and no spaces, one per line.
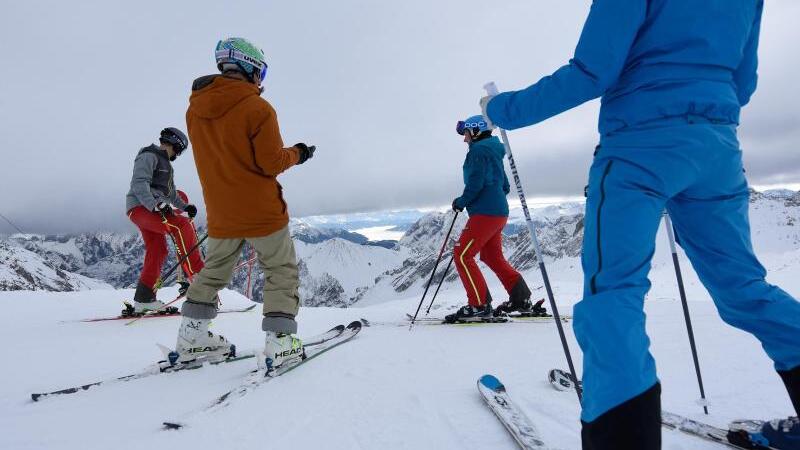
{"x":377,"y":86}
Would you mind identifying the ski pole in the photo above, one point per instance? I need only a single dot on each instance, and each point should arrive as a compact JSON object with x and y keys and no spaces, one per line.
{"x":491,"y":89}
{"x":194,"y":228}
{"x":687,"y":318}
{"x":433,"y":272}
{"x":251,"y":262}
{"x":436,"y":292}
{"x":244,"y":263}
{"x":180,"y":261}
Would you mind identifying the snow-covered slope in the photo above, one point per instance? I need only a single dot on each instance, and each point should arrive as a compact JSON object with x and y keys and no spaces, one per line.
{"x":390,"y":388}
{"x":337,"y":263}
{"x":21,"y":269}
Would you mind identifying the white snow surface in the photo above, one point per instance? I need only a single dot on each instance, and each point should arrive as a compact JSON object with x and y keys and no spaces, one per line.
{"x":390,"y":388}
{"x":353,"y":265}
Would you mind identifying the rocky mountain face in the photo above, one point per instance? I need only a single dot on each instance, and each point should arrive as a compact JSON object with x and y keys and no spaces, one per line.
{"x":22,"y":269}
{"x":342,"y":263}
{"x":339,"y":268}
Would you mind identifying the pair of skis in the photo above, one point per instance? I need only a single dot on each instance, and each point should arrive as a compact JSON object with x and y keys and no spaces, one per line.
{"x":510,"y":318}
{"x":524,"y":431}
{"x":157,"y":315}
{"x":333,"y":338}
{"x":314,"y":346}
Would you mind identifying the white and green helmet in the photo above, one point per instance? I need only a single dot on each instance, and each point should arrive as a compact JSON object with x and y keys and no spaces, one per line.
{"x":242,"y":53}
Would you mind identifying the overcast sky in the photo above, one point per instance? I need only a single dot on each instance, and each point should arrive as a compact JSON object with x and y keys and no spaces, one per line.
{"x":377,"y":86}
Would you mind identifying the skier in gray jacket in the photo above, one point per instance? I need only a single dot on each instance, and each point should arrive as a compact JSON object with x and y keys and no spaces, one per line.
{"x":149,"y":203}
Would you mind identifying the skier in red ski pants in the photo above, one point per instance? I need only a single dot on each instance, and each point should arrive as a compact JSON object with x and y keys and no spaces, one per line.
{"x":484,"y":197}
{"x":154,"y":205}
{"x":154,"y":230}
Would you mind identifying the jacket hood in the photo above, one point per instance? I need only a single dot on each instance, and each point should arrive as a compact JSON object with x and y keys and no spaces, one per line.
{"x":490,"y":145}
{"x":215,"y":95}
{"x":155,"y":149}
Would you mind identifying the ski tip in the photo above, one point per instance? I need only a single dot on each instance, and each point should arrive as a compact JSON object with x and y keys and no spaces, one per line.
{"x":365,"y":322}
{"x":35,"y":397}
{"x":172,"y":426}
{"x":354,"y":325}
{"x":491,"y":382}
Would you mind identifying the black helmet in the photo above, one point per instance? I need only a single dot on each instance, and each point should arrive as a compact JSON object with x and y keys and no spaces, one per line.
{"x":176,"y":138}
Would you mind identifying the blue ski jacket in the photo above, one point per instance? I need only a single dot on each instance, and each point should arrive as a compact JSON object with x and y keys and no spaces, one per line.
{"x":485,"y":181}
{"x":650,"y":60}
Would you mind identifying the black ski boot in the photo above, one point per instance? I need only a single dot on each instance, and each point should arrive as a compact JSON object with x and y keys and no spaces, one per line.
{"x":633,"y":425}
{"x":144,"y":302}
{"x":518,"y":299}
{"x":183,"y":288}
{"x":470,"y":313}
{"x":791,"y":378}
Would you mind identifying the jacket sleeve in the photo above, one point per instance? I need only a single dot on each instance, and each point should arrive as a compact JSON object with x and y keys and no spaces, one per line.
{"x":474,"y":179}
{"x":270,"y":155}
{"x":143,"y":168}
{"x":506,"y":185}
{"x":599,"y":59}
{"x":745,"y":77}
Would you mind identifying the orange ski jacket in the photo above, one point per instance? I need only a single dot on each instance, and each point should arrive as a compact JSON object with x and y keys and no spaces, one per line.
{"x":239,"y":153}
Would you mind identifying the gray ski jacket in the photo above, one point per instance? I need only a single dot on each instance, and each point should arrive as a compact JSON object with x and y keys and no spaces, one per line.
{"x":152,"y":182}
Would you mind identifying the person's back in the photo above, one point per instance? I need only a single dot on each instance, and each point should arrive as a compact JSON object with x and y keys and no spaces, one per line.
{"x":484,"y":163}
{"x":683,"y":63}
{"x":238,"y":152}
{"x":649,"y":60}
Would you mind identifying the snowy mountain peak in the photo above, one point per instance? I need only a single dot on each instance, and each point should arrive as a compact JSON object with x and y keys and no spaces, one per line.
{"x":22,"y":269}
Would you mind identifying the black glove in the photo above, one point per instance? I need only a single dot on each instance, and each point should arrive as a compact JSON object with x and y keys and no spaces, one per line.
{"x":457,"y":206}
{"x":163,"y":208}
{"x":191,"y":210}
{"x":306,"y":152}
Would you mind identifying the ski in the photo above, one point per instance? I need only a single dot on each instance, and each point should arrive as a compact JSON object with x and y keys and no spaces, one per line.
{"x":513,"y":419}
{"x":739,"y":439}
{"x":258,"y":377}
{"x":157,"y":315}
{"x":498,"y":319}
{"x":735,"y":437}
{"x":165,"y":367}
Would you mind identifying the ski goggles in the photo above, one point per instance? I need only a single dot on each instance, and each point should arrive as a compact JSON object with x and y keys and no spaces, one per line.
{"x":235,"y":57}
{"x":462,"y":126}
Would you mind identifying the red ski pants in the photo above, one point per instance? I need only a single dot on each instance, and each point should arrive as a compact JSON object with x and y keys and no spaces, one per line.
{"x":154,"y":228}
{"x":483,"y":234}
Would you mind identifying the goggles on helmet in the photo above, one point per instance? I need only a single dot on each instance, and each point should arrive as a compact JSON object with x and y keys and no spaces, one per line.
{"x":237,"y":57}
{"x":462,"y":126}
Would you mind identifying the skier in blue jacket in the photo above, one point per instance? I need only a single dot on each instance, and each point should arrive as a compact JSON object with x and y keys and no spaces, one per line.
{"x":484,"y":197}
{"x":673,"y":75}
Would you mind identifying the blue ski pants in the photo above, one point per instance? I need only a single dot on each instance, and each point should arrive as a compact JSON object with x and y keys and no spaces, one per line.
{"x":693,"y":169}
